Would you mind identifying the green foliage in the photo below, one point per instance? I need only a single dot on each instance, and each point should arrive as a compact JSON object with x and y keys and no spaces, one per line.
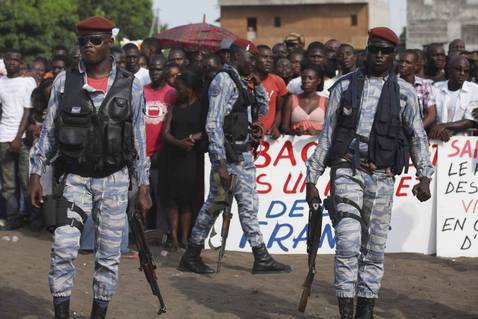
{"x":36,"y":26}
{"x":133,"y":17}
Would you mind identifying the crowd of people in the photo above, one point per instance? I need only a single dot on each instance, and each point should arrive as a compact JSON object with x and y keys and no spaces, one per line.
{"x":296,"y":78}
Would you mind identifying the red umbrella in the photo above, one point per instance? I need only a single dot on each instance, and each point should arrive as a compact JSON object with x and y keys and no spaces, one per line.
{"x":195,"y":36}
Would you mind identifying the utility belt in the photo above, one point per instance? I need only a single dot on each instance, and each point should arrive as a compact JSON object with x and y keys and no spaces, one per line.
{"x":69,"y":166}
{"x":363,"y":165}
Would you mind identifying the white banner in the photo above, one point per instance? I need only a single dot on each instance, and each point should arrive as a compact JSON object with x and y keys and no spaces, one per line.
{"x":283,"y":212}
{"x":457,"y":200}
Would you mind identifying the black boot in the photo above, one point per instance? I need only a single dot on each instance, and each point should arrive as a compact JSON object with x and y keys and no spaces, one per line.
{"x":62,"y":309}
{"x":364,"y":308}
{"x":346,"y":308}
{"x":191,"y":261}
{"x":264,"y":263}
{"x":98,"y":311}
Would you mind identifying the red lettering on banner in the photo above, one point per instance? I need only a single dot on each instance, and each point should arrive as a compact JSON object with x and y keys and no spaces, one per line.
{"x":265,"y":155}
{"x":296,"y":185}
{"x":259,"y":181}
{"x":289,"y":150}
{"x":302,"y":188}
{"x":435,"y":155}
{"x":466,"y":149}
{"x":456,"y":148}
{"x":467,"y":207}
{"x":402,"y":185}
{"x":305,"y":150}
{"x":327,"y":189}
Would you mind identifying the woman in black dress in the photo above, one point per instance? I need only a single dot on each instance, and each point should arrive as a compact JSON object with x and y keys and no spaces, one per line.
{"x":182,"y":131}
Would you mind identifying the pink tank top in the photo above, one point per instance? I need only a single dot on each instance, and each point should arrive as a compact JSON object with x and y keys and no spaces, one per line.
{"x":301,"y":119}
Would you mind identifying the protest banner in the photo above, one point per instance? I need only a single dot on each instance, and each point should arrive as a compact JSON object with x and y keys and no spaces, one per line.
{"x":457,"y":200}
{"x":283,"y":210}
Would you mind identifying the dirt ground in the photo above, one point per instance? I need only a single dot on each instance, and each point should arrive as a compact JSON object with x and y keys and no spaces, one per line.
{"x":414,"y":286}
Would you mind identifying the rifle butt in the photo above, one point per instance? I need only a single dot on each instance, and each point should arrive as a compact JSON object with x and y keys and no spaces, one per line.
{"x":303,"y":299}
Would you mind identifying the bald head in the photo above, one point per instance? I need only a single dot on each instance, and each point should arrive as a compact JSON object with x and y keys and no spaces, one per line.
{"x":456,"y":47}
{"x":458,"y":70}
{"x":458,"y":60}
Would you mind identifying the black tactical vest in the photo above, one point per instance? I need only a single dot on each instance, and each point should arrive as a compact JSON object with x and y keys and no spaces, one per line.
{"x":236,"y":123}
{"x":388,"y":143}
{"x":95,"y":143}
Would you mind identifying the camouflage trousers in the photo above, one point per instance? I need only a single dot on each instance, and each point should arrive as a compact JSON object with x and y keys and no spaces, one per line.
{"x":105,"y":200}
{"x":245,"y":194}
{"x":360,"y":245}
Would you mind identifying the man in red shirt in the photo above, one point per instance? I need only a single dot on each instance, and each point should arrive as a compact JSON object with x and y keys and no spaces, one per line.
{"x":159,"y":98}
{"x":276,"y":91}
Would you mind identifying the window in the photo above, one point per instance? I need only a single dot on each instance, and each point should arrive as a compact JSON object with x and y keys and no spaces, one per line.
{"x":469,"y":33}
{"x":251,"y":28}
{"x":353,"y":19}
{"x":277,"y":22}
{"x":251,"y":24}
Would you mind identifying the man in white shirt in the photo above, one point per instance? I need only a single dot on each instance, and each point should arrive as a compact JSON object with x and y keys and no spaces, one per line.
{"x":132,"y":63}
{"x":15,"y":94}
{"x":455,"y":101}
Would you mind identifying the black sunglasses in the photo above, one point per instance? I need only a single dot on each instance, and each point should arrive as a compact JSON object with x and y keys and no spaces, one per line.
{"x":93,"y":39}
{"x":384,"y":50}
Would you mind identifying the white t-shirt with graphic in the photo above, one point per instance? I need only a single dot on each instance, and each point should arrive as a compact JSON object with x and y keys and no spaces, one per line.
{"x":15,"y":95}
{"x":143,"y":76}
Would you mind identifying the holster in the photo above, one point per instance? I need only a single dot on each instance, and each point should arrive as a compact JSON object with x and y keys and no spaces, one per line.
{"x":55,"y":210}
{"x":330,"y":203}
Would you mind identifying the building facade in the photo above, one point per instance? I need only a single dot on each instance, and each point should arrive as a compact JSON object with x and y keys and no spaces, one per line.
{"x":269,"y":21}
{"x":442,"y":21}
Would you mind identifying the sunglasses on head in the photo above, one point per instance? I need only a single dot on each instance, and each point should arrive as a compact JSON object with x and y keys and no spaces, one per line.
{"x":93,"y":39}
{"x":384,"y":50}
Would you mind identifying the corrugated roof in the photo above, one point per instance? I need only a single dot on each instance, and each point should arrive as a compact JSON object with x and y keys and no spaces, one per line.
{"x":228,"y":3}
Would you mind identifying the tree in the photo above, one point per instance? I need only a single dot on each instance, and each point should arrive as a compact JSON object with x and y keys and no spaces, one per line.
{"x":35,"y":27}
{"x":133,"y":17}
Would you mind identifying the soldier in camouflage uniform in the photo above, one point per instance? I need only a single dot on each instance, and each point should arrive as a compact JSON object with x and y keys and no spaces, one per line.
{"x":96,"y":188}
{"x":230,"y":155}
{"x":371,"y":118}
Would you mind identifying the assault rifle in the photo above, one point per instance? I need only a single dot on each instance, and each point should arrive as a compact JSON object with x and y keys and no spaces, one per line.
{"x":226,"y":222}
{"x":314,"y":231}
{"x":145,"y":258}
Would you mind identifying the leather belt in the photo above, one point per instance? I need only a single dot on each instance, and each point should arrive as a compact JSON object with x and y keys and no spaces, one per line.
{"x":368,"y":167}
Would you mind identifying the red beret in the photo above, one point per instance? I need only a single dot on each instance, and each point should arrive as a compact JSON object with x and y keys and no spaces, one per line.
{"x":246,"y":45}
{"x":384,"y":33}
{"x":95,"y":24}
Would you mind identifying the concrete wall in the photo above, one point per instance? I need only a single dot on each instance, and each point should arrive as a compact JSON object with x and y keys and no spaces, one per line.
{"x":314,"y":22}
{"x":379,"y":13}
{"x":442,"y":21}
